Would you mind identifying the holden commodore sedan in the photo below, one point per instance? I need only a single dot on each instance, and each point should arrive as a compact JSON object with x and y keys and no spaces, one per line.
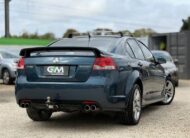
{"x":95,"y":74}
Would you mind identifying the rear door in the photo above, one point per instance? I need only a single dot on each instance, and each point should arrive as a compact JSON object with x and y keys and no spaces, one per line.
{"x":155,"y":72}
{"x":142,"y":66}
{"x":59,"y":65}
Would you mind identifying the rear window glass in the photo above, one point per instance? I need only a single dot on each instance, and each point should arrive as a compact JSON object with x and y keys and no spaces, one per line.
{"x":105,"y":44}
{"x":70,"y":42}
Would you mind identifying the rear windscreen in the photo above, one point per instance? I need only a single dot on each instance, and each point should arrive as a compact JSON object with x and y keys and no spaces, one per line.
{"x":105,"y":44}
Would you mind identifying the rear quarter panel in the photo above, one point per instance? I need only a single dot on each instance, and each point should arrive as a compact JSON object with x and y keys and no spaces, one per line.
{"x":128,"y":75}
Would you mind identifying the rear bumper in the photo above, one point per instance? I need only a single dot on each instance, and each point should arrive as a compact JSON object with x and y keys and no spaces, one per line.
{"x":97,"y":89}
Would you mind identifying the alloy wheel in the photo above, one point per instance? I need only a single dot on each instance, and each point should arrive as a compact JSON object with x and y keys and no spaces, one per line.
{"x":6,"y":77}
{"x":169,"y":92}
{"x":137,"y":104}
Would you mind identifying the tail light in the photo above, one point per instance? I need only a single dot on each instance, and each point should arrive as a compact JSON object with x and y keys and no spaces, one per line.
{"x":104,"y":63}
{"x":20,"y":64}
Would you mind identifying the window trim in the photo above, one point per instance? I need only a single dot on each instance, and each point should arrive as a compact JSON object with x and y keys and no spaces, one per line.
{"x":138,"y":41}
{"x":130,"y":48}
{"x":139,"y":48}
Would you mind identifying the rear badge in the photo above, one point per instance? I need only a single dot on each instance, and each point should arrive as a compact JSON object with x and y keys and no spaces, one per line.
{"x":55,"y":70}
{"x":56,"y":60}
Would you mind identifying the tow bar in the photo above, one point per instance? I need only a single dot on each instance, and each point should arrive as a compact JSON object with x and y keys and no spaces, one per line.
{"x":50,"y":104}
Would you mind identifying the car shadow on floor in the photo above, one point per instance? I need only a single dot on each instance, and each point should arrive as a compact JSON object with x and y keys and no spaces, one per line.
{"x":90,"y":121}
{"x":148,"y":110}
{"x":81,"y":121}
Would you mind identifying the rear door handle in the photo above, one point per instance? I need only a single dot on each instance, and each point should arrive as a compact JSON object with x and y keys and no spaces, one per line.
{"x":140,"y":64}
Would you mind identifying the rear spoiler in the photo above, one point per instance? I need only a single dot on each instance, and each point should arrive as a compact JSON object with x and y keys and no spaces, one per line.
{"x":27,"y":51}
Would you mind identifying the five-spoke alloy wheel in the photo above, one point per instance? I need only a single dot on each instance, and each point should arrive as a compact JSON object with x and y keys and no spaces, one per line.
{"x":169,"y":92}
{"x":132,"y":114}
{"x":137,"y":104}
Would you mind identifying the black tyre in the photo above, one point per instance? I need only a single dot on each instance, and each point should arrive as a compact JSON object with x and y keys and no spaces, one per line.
{"x":38,"y":115}
{"x":169,"y":92}
{"x":132,"y":114}
{"x":6,"y":77}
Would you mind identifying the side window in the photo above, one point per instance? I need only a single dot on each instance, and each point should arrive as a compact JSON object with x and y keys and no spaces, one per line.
{"x":129,"y":50}
{"x":148,"y":55}
{"x":136,"y":49}
{"x":120,"y":50}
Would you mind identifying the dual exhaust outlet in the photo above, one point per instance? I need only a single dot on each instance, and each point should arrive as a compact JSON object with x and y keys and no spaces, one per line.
{"x":88,"y":108}
{"x":24,"y":105}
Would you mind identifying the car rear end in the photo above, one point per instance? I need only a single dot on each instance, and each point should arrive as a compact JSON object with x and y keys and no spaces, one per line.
{"x":68,"y":79}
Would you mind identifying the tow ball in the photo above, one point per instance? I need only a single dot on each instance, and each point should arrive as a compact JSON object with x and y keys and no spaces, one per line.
{"x":50,"y":104}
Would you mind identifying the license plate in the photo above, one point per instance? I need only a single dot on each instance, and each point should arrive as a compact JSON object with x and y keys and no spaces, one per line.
{"x":56,"y":70}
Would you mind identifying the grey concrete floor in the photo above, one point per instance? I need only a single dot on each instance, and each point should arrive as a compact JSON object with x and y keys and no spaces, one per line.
{"x":157,"y":121}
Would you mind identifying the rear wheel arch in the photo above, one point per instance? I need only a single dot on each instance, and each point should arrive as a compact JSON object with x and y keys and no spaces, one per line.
{"x":133,"y":79}
{"x":169,"y":76}
{"x":132,"y":112}
{"x":127,"y":117}
{"x":2,"y":71}
{"x":139,"y":82}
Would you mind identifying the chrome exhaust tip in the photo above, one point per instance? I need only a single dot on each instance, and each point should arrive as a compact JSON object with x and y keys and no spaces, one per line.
{"x":93,"y":107}
{"x":26,"y":105}
{"x":22,"y":105}
{"x":87,"y":108}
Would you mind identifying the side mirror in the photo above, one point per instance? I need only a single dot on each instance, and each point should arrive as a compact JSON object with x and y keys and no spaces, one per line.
{"x":160,"y":61}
